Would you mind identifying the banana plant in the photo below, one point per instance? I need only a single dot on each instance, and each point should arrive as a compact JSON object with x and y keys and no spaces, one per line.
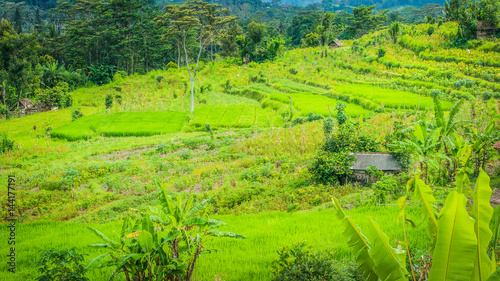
{"x":189,"y":224}
{"x":423,"y":145}
{"x":482,"y":142}
{"x":162,"y":245}
{"x":460,"y":234}
{"x":375,"y":256}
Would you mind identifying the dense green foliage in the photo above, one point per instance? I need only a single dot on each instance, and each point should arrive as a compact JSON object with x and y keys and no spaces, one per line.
{"x":122,"y":124}
{"x":297,"y":262}
{"x":61,"y":265}
{"x":248,"y":116}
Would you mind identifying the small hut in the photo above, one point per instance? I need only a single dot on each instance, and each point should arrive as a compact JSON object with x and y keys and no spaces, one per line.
{"x":485,"y":29}
{"x":336,"y":44}
{"x":382,"y":161}
{"x":497,"y":146}
{"x":26,"y":106}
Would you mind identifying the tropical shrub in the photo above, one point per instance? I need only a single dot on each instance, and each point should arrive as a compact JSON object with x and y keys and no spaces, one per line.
{"x":459,"y":230}
{"x":6,"y":144}
{"x":119,"y":75}
{"x":101,"y":74}
{"x":347,"y":139}
{"x":385,"y":189}
{"x":108,"y":102}
{"x":56,"y":96}
{"x":118,"y":98}
{"x":341,"y":116}
{"x":331,"y":167}
{"x":311,"y":117}
{"x":4,"y":111}
{"x":164,"y":244}
{"x":185,"y":155}
{"x":171,"y":65}
{"x":75,"y":114}
{"x":61,"y":265}
{"x":381,"y":52}
{"x":299,"y":262}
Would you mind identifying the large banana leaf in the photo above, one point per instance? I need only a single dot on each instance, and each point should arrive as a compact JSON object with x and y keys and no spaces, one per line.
{"x":420,"y":133}
{"x":389,"y":262}
{"x":495,"y":276}
{"x":454,"y":253}
{"x":438,"y":112}
{"x":358,"y":243}
{"x":482,"y":212}
{"x":146,"y":241}
{"x":110,"y":242}
{"x":423,"y":195}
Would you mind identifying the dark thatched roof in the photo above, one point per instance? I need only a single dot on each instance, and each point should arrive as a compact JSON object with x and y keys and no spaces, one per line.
{"x":337,"y":43}
{"x":27,"y":103}
{"x":382,"y":161}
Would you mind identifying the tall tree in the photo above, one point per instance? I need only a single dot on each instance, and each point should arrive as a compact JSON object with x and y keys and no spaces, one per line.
{"x":18,"y":21}
{"x":227,"y":40}
{"x":38,"y":21}
{"x":203,"y":19}
{"x":365,"y":21}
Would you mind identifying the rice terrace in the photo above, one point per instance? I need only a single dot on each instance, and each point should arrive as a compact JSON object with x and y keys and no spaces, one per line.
{"x":250,"y":140}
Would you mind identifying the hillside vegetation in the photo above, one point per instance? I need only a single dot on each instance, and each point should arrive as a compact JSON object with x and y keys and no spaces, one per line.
{"x":264,"y":143}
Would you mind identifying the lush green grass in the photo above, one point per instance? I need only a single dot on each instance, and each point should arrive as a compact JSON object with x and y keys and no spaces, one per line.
{"x":217,"y":98}
{"x":388,"y":97}
{"x":290,"y":86}
{"x":306,"y":103}
{"x":235,"y":116}
{"x":122,"y":124}
{"x":22,"y":132}
{"x":248,"y":259}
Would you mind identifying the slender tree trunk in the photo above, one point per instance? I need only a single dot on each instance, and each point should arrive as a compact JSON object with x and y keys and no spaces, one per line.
{"x":192,"y":94}
{"x":178,"y":56}
{"x":192,"y":264}
{"x":126,"y":273}
{"x":192,"y":75}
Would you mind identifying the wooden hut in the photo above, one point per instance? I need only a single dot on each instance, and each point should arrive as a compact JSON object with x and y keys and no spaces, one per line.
{"x":497,"y":146}
{"x":336,"y":44}
{"x":485,"y":29}
{"x":382,"y":161}
{"x":26,"y":106}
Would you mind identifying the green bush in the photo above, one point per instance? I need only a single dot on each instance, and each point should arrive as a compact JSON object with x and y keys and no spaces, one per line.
{"x":5,"y":144}
{"x":56,"y":96}
{"x":108,"y":102}
{"x":61,"y":265}
{"x":381,"y":52}
{"x":386,"y":189}
{"x":341,"y":116}
{"x":75,"y":114}
{"x":171,"y":65}
{"x":4,"y":111}
{"x":298,"y":262}
{"x":118,"y":99}
{"x":331,"y":168}
{"x":101,"y":74}
{"x":119,"y":75}
{"x":185,"y":155}
{"x":347,"y":139}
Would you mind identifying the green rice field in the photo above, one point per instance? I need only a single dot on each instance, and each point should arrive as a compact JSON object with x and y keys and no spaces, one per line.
{"x":236,"y":116}
{"x":388,"y":97}
{"x":122,"y":124}
{"x":247,"y":259}
{"x":306,"y":103}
